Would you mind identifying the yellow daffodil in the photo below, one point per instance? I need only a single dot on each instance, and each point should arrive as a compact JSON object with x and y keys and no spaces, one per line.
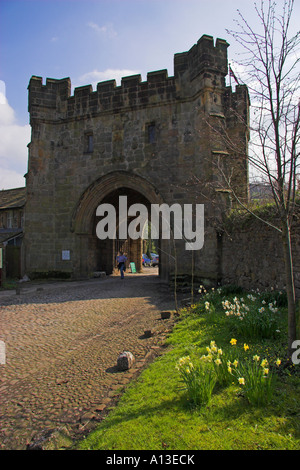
{"x":264,"y":362}
{"x":246,"y":347}
{"x":241,"y":381}
{"x":183,"y":361}
{"x":278,"y":362}
{"x":233,"y":341}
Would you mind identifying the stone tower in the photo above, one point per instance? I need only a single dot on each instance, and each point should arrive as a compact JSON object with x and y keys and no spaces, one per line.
{"x":153,"y":141}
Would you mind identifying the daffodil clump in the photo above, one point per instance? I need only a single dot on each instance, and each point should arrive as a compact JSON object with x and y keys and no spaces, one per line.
{"x":254,"y":376}
{"x":221,"y":361}
{"x":251,"y":317}
{"x":199,"y":382}
{"x":226,"y":367}
{"x":209,"y":307}
{"x":257,"y":380}
{"x":248,"y":316}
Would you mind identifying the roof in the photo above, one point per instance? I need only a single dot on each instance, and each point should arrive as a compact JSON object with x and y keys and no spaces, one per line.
{"x":12,"y":198}
{"x":7,"y":236}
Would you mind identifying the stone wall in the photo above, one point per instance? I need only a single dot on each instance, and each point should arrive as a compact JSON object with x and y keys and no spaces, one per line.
{"x":252,"y":256}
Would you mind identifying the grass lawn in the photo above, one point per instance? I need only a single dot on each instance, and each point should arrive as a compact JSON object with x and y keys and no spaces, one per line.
{"x":157,"y":413}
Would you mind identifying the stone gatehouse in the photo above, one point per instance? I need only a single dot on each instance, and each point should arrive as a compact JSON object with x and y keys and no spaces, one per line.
{"x":149,"y":140}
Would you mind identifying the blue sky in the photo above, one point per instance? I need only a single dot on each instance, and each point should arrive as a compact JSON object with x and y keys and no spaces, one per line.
{"x":90,"y":41}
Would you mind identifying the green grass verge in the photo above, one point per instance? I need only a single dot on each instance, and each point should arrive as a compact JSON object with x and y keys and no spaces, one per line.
{"x":8,"y":284}
{"x":155,"y":414}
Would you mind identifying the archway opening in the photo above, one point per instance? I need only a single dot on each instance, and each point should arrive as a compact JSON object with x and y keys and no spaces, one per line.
{"x":103,"y":252}
{"x":95,"y":253}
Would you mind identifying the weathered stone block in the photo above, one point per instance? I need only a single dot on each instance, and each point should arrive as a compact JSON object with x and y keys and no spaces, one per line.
{"x":125,"y":360}
{"x":99,"y":274}
{"x":51,"y":439}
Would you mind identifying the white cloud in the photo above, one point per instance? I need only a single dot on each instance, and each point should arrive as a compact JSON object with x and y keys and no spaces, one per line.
{"x":10,"y":179}
{"x":105,"y":30}
{"x":109,"y":74}
{"x":7,"y":115}
{"x":13,"y":145}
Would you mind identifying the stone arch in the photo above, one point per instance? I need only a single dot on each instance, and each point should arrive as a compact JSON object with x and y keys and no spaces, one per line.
{"x":107,"y":189}
{"x":103,"y":186}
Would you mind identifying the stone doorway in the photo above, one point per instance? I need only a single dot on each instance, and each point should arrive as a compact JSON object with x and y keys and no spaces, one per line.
{"x":106,"y":251}
{"x":96,"y":254}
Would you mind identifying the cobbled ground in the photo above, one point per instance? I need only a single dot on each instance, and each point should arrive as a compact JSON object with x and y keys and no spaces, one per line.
{"x":62,"y":343}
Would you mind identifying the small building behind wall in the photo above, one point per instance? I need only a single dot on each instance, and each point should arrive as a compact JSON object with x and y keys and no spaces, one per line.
{"x":12,"y":204}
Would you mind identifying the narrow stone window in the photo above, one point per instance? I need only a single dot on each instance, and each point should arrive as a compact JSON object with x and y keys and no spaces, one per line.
{"x":9,"y":219}
{"x":89,"y":142}
{"x":151,"y":133}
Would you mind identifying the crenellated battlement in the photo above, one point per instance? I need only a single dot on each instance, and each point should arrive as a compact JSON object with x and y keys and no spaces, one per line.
{"x":204,"y":65}
{"x":202,"y":56}
{"x":236,"y":105}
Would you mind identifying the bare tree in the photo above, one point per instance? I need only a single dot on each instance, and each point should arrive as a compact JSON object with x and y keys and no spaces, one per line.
{"x":271,"y":64}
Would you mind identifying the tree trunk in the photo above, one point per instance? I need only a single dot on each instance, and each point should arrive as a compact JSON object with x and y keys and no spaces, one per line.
{"x":290,"y":286}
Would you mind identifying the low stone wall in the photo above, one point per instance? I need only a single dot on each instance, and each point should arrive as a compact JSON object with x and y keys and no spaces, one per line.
{"x":252,"y":256}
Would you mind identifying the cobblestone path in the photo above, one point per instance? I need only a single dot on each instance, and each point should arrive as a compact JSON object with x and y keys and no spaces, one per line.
{"x":62,"y":344}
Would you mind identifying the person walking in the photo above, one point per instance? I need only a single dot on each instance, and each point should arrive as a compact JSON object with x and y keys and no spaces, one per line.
{"x":121,"y":260}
